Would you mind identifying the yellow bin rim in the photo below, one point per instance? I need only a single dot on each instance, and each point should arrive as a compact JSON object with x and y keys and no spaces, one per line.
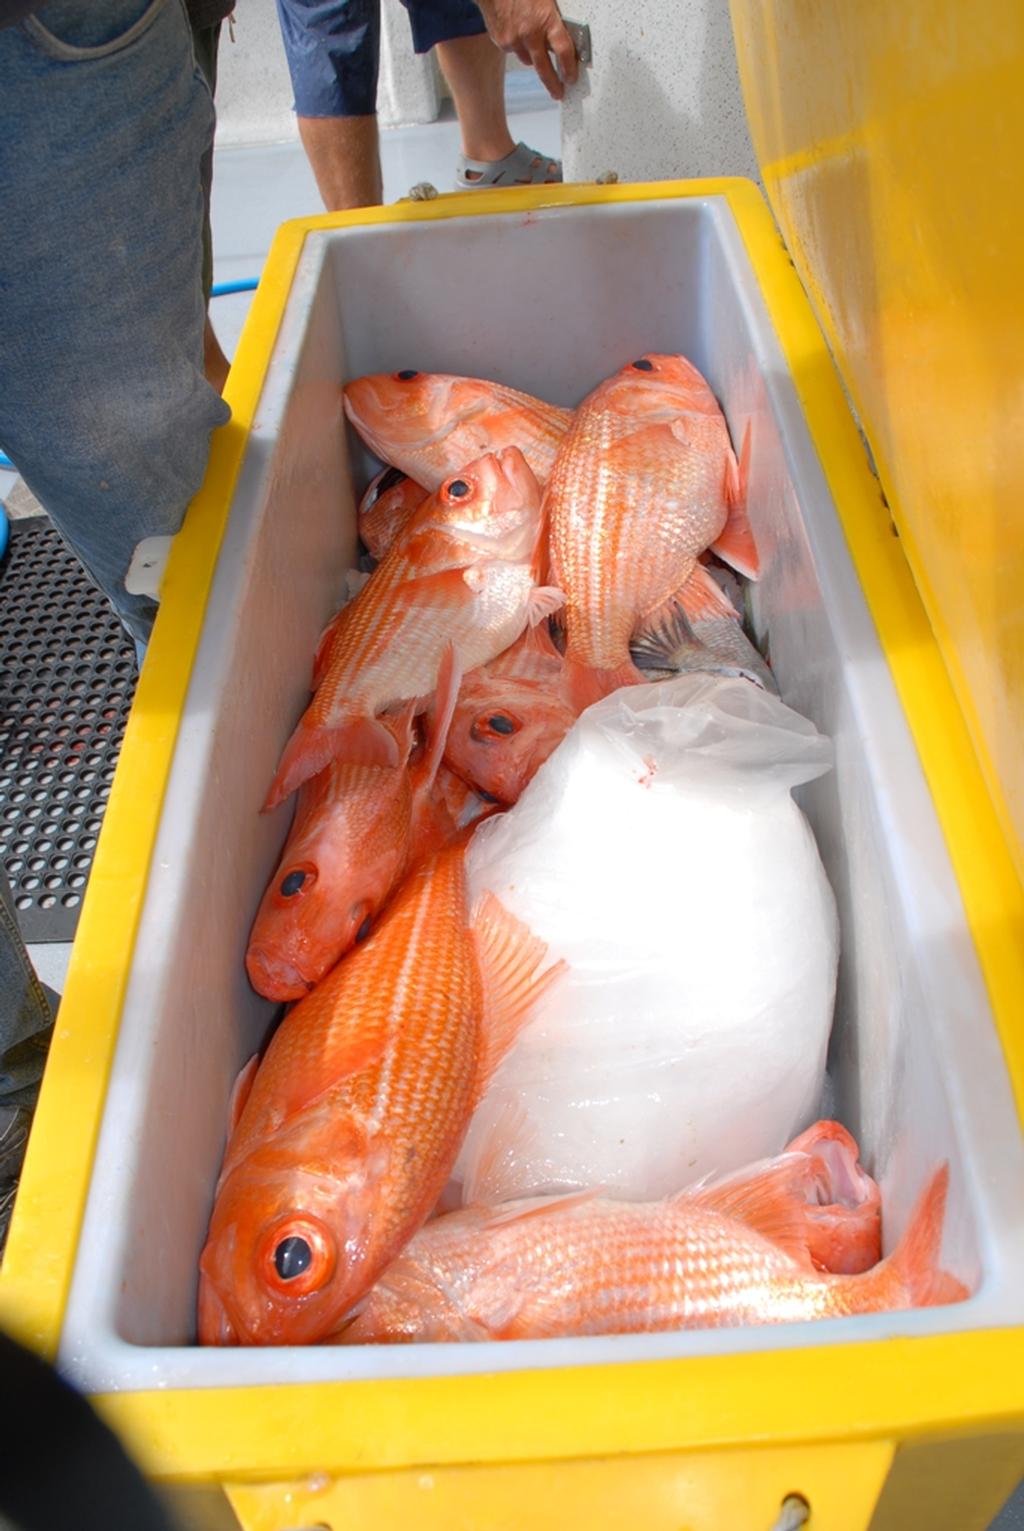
{"x":897,"y":1389}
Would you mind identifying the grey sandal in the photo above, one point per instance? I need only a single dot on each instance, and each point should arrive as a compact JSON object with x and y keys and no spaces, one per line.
{"x":523,"y":167}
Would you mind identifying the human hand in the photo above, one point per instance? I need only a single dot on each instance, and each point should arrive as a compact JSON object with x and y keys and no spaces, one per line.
{"x":533,"y":30}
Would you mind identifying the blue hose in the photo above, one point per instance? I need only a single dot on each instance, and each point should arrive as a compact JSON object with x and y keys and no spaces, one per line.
{"x":218,"y":290}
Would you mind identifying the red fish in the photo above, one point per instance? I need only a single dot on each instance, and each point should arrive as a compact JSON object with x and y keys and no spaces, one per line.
{"x":358,"y":831}
{"x":510,"y":715}
{"x":386,"y":508}
{"x":644,"y":482}
{"x":463,"y":573}
{"x":581,"y":1265}
{"x":431,"y":424}
{"x":343,"y":1137}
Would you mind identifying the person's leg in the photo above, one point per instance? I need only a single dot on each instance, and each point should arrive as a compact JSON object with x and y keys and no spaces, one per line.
{"x":104,"y":407}
{"x":27,"y":1013}
{"x":475,"y":71}
{"x":333,"y":51}
{"x":344,"y":153}
{"x":205,"y":44}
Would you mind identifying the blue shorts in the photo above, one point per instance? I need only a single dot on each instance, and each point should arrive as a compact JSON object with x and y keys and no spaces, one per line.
{"x":333,"y":47}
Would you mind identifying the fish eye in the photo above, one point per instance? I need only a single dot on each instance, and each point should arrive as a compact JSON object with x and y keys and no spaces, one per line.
{"x":458,"y":489}
{"x":364,"y":929}
{"x":494,"y":725}
{"x":297,"y":880}
{"x":291,"y":1257}
{"x":299,"y":1256}
{"x":406,"y":375}
{"x":643,"y":365}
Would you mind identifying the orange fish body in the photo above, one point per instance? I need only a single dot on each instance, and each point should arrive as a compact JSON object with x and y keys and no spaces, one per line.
{"x":461,"y":575}
{"x":386,"y":509}
{"x":431,"y":424}
{"x":644,"y":482}
{"x":343,"y":1137}
{"x":511,"y":714}
{"x":580,"y":1265}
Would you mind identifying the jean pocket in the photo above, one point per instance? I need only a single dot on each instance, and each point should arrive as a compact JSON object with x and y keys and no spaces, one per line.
{"x":70,"y":22}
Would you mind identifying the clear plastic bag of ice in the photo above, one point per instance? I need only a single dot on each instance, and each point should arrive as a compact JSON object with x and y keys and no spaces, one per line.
{"x":660,"y":852}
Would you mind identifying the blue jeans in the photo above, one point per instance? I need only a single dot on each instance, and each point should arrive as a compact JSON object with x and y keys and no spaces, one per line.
{"x":104,"y":408}
{"x":333,"y":47}
{"x":26,"y":1017}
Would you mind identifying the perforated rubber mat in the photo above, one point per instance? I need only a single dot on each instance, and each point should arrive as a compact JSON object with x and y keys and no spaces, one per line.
{"x":67,"y":678}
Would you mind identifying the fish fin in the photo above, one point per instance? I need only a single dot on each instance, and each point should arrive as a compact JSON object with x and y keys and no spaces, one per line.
{"x":446,"y":695}
{"x":448,"y":589}
{"x":362,"y":740}
{"x":769,"y":1197}
{"x":737,"y":474}
{"x":915,"y":1259}
{"x":351,"y":1051}
{"x":537,"y":640}
{"x":585,"y":684}
{"x":736,"y":543}
{"x":401,"y":724}
{"x":660,"y":638}
{"x":702,"y":597}
{"x":240,"y":1091}
{"x":544,"y":601}
{"x":512,"y":1138}
{"x":544,"y":1206}
{"x":509,"y":956}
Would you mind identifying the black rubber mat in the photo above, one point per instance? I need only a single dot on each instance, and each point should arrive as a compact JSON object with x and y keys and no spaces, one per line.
{"x":67,"y":678}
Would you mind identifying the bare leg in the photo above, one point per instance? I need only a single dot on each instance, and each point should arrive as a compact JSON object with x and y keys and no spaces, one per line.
{"x":215,"y":363}
{"x":345,"y":156}
{"x":475,"y":71}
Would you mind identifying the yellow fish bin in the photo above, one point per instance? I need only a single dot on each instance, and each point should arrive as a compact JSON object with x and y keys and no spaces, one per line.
{"x":886,"y":1419}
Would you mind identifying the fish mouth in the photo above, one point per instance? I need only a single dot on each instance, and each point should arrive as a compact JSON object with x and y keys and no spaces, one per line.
{"x":275,"y":978}
{"x":516,"y":472}
{"x":214,"y":1325}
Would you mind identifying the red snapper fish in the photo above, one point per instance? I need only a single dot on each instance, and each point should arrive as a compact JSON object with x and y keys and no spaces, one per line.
{"x":431,"y":424}
{"x":463,"y":573}
{"x":343,"y":1137}
{"x":358,"y":831}
{"x":644,"y":482}
{"x":583,"y":1265}
{"x":510,"y":715}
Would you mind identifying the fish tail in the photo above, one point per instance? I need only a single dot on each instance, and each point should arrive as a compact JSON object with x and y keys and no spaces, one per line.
{"x":361,"y":740}
{"x":915,"y":1261}
{"x":655,"y":645}
{"x":586,"y":684}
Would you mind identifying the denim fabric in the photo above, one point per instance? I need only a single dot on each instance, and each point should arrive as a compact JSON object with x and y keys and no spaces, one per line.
{"x":104,"y":121}
{"x":333,"y":47}
{"x":26,"y":1021}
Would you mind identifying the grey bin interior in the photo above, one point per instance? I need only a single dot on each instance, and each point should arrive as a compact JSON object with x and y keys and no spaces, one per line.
{"x":552,"y":302}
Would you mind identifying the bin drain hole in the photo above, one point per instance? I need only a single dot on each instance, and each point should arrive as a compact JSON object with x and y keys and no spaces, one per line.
{"x":795,"y":1512}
